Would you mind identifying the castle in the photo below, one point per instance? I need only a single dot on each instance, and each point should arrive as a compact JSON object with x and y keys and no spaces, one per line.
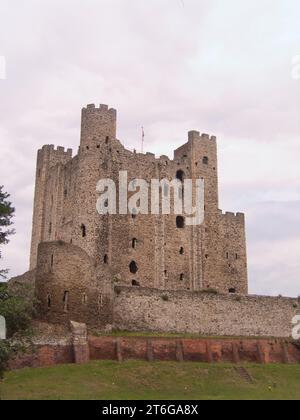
{"x":163,"y":256}
{"x":140,"y":272}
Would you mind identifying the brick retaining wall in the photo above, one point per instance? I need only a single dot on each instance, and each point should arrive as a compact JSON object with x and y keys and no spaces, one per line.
{"x":261,"y":351}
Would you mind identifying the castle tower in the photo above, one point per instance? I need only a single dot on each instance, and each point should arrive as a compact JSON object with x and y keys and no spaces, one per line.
{"x":98,"y":133}
{"x":97,"y":125}
{"x":43,"y":229}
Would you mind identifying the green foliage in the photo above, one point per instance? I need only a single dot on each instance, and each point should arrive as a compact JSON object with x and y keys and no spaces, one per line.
{"x":16,"y":310}
{"x":6,"y":215}
{"x":8,"y":348}
{"x":5,"y":353}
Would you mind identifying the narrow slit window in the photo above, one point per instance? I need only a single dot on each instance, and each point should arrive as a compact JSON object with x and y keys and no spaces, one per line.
{"x":84,"y":299}
{"x":66,"y":301}
{"x":83,"y":231}
{"x":48,"y":301}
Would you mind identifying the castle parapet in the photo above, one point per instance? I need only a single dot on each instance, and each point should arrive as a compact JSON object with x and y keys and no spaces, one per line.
{"x":195,"y":135}
{"x":97,"y":124}
{"x":50,"y":156}
{"x":91,"y":108}
{"x":231,"y":216}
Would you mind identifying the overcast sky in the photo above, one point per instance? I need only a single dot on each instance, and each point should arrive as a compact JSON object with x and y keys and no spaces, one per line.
{"x":222,"y":67}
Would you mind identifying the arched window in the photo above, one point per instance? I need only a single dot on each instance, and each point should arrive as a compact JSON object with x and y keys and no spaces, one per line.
{"x":180,"y":175}
{"x":181,"y":251}
{"x":84,"y":299}
{"x":105,"y":259}
{"x":133,"y":267}
{"x":134,"y":243}
{"x":180,"y":222}
{"x":181,"y":277}
{"x":205,"y":160}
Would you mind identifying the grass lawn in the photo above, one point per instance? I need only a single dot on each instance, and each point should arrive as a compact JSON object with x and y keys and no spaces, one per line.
{"x":136,"y":380}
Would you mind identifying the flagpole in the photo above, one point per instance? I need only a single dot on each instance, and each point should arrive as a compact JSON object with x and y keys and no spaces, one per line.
{"x":143,"y":139}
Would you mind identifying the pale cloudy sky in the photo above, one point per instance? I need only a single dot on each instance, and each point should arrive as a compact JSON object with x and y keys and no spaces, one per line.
{"x":218,"y":66}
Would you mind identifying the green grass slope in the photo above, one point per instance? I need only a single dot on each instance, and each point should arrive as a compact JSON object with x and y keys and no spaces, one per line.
{"x":136,"y":380}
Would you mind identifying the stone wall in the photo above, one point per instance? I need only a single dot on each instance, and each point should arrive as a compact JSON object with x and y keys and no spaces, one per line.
{"x":203,"y":313}
{"x":70,"y":287}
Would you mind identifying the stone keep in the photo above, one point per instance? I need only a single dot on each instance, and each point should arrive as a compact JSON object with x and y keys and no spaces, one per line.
{"x":78,"y":257}
{"x":147,"y":250}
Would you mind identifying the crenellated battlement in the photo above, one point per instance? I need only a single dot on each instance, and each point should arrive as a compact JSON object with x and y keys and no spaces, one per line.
{"x":104,"y":109}
{"x":50,"y":156}
{"x":50,"y":148}
{"x":196,"y":135}
{"x":97,"y":123}
{"x":230,"y":215}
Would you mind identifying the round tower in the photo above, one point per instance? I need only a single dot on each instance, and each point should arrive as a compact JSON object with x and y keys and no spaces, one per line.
{"x":98,"y":132}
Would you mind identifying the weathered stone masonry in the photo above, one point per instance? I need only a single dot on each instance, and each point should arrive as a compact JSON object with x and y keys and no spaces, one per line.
{"x":145,"y":272}
{"x":212,"y":255}
{"x":204,"y":313}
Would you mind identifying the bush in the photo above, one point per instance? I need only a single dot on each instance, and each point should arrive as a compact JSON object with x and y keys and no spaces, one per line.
{"x":9,"y":348}
{"x":16,"y":310}
{"x":5,"y":353}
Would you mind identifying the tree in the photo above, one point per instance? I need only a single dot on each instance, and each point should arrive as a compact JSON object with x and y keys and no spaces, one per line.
{"x":6,"y":215}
